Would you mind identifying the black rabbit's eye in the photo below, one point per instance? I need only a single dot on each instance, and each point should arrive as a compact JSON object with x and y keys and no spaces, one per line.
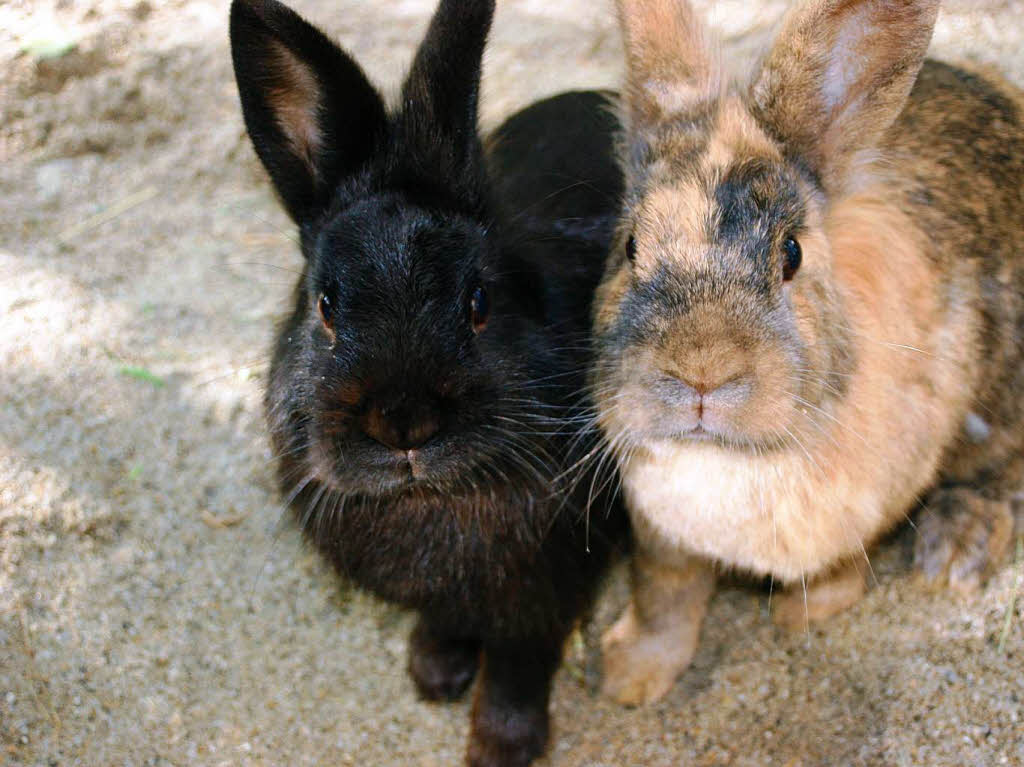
{"x":631,"y":248}
{"x":792,"y":256}
{"x":326,"y":310}
{"x":479,"y":309}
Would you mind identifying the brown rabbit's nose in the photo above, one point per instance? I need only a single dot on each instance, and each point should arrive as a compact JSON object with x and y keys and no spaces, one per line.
{"x":726,"y":385}
{"x":705,"y":384}
{"x":709,"y":359}
{"x":402,"y":427}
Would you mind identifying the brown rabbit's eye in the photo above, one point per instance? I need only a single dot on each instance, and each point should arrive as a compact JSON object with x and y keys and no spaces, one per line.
{"x":631,"y":248}
{"x":792,"y":256}
{"x":479,"y":309}
{"x":326,"y":310}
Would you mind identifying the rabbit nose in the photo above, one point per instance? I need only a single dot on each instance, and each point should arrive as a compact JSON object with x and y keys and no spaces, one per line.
{"x":405,"y":427}
{"x":708,"y":382}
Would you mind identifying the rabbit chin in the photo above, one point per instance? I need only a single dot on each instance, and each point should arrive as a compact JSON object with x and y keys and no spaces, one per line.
{"x":771,"y":513}
{"x":710,"y":425}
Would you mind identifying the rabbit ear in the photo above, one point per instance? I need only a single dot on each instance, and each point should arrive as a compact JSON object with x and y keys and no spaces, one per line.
{"x":839,"y":75}
{"x":440,"y":95}
{"x":311,"y":113}
{"x":671,"y":70}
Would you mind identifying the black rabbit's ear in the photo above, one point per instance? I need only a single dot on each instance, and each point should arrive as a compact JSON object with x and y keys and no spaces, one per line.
{"x":312,"y":115}
{"x":440,"y":95}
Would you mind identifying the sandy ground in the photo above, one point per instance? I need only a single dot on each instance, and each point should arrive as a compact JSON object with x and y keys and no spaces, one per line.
{"x":153,"y":608}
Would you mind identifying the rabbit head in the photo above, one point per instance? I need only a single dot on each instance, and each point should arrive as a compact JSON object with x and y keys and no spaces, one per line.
{"x":397,"y":370}
{"x":719,"y":319}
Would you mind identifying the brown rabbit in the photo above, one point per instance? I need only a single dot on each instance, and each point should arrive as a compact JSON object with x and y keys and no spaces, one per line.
{"x":813,"y":318}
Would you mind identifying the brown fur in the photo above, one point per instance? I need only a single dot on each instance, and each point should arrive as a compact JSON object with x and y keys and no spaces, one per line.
{"x":891,"y":367}
{"x":963,"y":533}
{"x":841,"y":77}
{"x":836,"y":590}
{"x":296,"y":103}
{"x":670,"y":69}
{"x":656,"y":637}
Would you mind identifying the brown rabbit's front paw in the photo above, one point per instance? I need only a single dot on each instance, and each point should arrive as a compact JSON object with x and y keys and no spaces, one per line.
{"x":799,"y":606}
{"x":960,"y":536}
{"x":441,"y":668}
{"x":640,"y":666}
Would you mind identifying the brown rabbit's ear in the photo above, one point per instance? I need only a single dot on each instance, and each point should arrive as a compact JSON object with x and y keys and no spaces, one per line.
{"x":670,"y":67}
{"x":838,"y":76}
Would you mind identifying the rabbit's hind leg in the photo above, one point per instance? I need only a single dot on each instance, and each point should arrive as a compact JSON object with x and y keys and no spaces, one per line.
{"x":962,"y":533}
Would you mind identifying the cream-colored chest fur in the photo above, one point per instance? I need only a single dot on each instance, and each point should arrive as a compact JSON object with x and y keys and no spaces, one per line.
{"x":769,"y":515}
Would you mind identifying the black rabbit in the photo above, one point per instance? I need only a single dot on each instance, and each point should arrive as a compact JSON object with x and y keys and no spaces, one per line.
{"x":425,"y":390}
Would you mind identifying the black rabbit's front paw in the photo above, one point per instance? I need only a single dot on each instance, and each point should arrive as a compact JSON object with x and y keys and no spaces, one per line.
{"x":507,"y":737}
{"x":442,"y":668}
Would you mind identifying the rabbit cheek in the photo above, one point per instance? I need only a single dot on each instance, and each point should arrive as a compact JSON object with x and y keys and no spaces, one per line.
{"x":609,"y":299}
{"x":630,"y":411}
{"x":334,"y":427}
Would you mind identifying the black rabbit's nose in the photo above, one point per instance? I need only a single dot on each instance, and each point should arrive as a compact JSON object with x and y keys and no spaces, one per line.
{"x":402,"y":427}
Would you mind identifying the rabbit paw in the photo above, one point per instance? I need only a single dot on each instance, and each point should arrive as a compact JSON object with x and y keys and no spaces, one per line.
{"x":441,"y":668}
{"x":507,"y":737}
{"x":797,"y":607}
{"x":641,"y":666}
{"x":960,"y":536}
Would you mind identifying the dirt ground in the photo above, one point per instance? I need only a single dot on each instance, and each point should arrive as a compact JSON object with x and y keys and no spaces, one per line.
{"x":155,"y":610}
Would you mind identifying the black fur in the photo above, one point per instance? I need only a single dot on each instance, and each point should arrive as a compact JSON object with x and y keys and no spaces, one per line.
{"x":342,"y":90}
{"x":468,"y":517}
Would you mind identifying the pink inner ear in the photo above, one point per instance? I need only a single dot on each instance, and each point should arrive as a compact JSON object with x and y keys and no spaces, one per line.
{"x":295,"y":101}
{"x":846,"y":58}
{"x":847,"y":76}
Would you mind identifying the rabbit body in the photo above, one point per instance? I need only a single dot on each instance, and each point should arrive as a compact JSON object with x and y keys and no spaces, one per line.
{"x":422,"y":391}
{"x":813,"y":318}
{"x":931,"y":280}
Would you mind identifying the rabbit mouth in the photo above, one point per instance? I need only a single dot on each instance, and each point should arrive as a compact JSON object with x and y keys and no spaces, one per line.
{"x":394,"y":472}
{"x":704,"y":433}
{"x":405,"y":469}
{"x":653,"y":423}
{"x":699,"y":433}
{"x":440,"y":468}
{"x":418,"y":468}
{"x":663,"y":408}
